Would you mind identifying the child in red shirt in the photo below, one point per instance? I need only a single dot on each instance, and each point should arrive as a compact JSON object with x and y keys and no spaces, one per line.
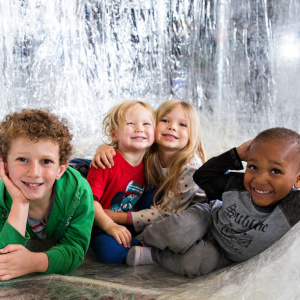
{"x":129,"y":126}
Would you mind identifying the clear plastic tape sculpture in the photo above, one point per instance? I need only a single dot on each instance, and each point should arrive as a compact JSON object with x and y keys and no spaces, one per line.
{"x":237,"y":61}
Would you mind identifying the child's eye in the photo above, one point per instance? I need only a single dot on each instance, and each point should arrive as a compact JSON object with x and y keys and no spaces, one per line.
{"x":182,"y":124}
{"x":164,"y":120}
{"x":276,"y":171}
{"x":22,"y":159}
{"x":148,"y":124}
{"x":130,"y":123}
{"x":47,"y":161}
{"x":252,"y":168}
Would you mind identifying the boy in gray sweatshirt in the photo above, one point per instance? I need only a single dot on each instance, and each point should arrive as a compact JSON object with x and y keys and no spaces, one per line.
{"x":258,"y":207}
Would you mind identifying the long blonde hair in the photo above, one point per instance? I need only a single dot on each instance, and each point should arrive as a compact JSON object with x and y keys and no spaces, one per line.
{"x":154,"y":175}
{"x":117,"y":116}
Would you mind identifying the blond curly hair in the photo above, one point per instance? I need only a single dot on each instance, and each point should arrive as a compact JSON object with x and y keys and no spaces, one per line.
{"x":117,"y":116}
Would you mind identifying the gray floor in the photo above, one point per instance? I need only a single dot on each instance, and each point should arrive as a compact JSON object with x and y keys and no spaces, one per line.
{"x":274,"y":274}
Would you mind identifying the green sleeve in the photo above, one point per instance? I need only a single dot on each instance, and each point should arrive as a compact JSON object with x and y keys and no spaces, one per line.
{"x":9,"y":235}
{"x":70,"y":250}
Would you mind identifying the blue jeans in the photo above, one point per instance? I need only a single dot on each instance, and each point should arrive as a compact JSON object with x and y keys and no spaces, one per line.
{"x":81,"y":165}
{"x":108,"y":250}
{"x":147,"y":198}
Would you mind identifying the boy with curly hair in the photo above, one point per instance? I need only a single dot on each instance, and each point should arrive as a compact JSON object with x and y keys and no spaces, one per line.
{"x":40,"y":196}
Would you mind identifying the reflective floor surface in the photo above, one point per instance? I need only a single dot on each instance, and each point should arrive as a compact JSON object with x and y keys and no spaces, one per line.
{"x":274,"y":274}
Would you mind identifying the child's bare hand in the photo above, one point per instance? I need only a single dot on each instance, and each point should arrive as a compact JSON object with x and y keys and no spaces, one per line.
{"x":13,"y":190}
{"x":104,"y":157}
{"x":243,"y":150}
{"x":17,"y":261}
{"x":120,"y":233}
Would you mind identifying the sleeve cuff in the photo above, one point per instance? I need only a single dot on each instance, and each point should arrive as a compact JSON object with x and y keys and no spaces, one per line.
{"x":9,"y":235}
{"x":56,"y":261}
{"x":236,"y":159}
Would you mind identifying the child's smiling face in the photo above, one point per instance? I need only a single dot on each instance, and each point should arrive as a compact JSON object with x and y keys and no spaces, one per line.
{"x":34,"y":167}
{"x":171,"y":133}
{"x":138,"y":132}
{"x":272,"y":171}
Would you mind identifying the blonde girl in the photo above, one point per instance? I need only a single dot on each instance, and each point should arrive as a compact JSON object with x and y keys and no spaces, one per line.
{"x":169,"y":166}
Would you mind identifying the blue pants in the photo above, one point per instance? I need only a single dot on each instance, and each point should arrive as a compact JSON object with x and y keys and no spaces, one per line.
{"x":108,"y":250}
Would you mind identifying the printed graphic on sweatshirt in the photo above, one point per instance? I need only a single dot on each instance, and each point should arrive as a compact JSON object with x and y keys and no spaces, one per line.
{"x":126,"y":201}
{"x":234,"y":232}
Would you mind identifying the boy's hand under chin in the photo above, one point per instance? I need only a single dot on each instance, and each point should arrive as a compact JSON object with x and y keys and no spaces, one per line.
{"x":14,"y":191}
{"x":18,"y":261}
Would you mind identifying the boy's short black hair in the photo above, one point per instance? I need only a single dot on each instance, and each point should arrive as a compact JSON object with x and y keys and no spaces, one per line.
{"x":280,"y":133}
{"x":36,"y":124}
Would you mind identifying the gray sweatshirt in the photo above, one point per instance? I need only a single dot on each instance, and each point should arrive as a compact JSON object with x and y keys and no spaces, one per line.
{"x":242,"y":228}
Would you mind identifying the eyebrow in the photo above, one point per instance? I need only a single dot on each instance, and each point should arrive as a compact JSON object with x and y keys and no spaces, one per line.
{"x":272,"y":161}
{"x":45,"y":155}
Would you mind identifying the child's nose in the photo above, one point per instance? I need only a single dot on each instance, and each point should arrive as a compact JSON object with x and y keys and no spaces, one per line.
{"x":139,"y":128}
{"x":261,"y":178}
{"x":34,"y":170}
{"x":172,"y":126}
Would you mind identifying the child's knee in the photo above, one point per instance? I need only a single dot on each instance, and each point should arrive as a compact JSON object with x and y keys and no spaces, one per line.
{"x":108,"y":250}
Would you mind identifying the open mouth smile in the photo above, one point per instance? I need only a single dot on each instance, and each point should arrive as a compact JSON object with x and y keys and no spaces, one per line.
{"x":169,"y":136}
{"x":32,"y":184}
{"x":139,"y":138}
{"x":261,"y":192}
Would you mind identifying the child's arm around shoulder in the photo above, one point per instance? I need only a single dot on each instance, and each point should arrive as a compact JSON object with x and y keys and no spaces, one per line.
{"x":17,"y":260}
{"x":104,"y":157}
{"x":211,"y":176}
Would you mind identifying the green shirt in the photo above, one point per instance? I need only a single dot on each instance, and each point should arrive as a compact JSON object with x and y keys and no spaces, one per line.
{"x":69,"y":225}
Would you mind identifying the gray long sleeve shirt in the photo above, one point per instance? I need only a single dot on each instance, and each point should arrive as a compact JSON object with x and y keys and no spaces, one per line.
{"x":242,"y":228}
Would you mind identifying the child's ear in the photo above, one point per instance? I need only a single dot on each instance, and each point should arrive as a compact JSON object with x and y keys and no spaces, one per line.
{"x":113,"y":135}
{"x":61,"y":170}
{"x":297,"y":182}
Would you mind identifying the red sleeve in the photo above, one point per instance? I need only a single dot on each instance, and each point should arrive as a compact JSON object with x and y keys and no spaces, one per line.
{"x":98,"y":179}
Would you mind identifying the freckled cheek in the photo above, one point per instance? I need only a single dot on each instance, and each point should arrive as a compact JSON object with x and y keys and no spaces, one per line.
{"x":49,"y":176}
{"x":16,"y":174}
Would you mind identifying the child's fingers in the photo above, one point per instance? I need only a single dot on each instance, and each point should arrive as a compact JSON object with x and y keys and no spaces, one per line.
{"x":94,"y":163}
{"x":116,"y":236}
{"x":11,"y":248}
{"x":111,"y":160}
{"x":128,"y":238}
{"x":99,"y":163}
{"x":106,"y":162}
{"x":111,"y":155}
{"x":3,"y":175}
{"x":125,"y":240}
{"x":5,"y":277}
{"x":2,"y":168}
